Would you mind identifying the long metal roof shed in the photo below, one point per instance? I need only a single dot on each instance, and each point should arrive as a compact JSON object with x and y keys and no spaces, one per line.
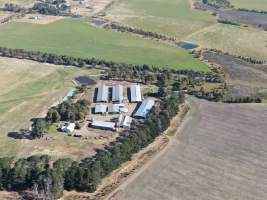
{"x":117,"y":93}
{"x":102,"y":93}
{"x":135,"y":93}
{"x":103,"y":125}
{"x":144,"y":108}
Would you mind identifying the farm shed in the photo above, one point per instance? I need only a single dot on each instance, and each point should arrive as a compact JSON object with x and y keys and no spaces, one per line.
{"x":103,"y":125}
{"x":102,"y":93}
{"x":101,"y":108}
{"x":144,"y":108}
{"x":135,"y":93}
{"x":127,"y":121}
{"x":68,"y":127}
{"x":117,"y":93}
{"x":117,"y":108}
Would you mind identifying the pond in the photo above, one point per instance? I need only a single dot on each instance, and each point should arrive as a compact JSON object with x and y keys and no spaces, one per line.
{"x":188,"y":46}
{"x":98,"y":22}
{"x":77,"y":17}
{"x":85,"y":80}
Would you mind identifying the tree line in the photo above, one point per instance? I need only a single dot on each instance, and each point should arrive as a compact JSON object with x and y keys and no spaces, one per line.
{"x":147,"y":34}
{"x":114,"y":66}
{"x":247,"y":59}
{"x":42,"y":178}
{"x":243,"y":100}
{"x":53,"y":7}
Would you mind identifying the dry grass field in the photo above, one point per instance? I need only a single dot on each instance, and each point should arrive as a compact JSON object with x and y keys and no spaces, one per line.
{"x":219,"y":154}
{"x":27,"y":90}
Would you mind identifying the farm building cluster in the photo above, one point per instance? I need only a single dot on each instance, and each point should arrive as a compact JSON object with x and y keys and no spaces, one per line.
{"x":110,"y":100}
{"x":115,"y":106}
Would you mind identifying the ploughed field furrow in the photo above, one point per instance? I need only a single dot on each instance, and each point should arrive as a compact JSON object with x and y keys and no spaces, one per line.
{"x":220,"y":154}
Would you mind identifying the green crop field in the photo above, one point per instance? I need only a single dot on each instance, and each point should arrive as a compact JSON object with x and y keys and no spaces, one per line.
{"x":79,"y":39}
{"x":244,"y":41}
{"x":27,"y":90}
{"x":172,"y":17}
{"x":250,"y":4}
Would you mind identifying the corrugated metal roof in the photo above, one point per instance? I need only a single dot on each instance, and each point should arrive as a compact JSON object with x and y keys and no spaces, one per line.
{"x":102,"y":93}
{"x":101,"y":108}
{"x":127,"y":122}
{"x":135,"y":93}
{"x":103,"y":124}
{"x":117,"y":93}
{"x":68,"y":127}
{"x":144,"y":108}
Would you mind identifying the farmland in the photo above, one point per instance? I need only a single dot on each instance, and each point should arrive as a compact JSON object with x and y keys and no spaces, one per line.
{"x":83,"y":40}
{"x":255,"y":4}
{"x":27,"y":90}
{"x":218,"y":154}
{"x":244,"y":41}
{"x":243,"y":78}
{"x":174,"y":18}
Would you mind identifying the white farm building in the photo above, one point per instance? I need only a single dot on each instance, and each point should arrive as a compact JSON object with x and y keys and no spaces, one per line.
{"x":135,"y":93}
{"x":144,"y":108}
{"x":101,"y":109}
{"x":103,"y":125}
{"x":68,"y":127}
{"x":102,"y":93}
{"x":117,"y":93}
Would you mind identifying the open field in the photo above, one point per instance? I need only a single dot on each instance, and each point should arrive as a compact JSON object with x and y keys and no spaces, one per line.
{"x":219,"y":154}
{"x":174,"y":18}
{"x":83,"y":40}
{"x":27,"y":90}
{"x":249,"y":4}
{"x":243,"y":78}
{"x":244,"y":41}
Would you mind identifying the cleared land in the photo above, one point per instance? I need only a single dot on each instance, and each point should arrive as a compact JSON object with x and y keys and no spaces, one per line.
{"x":250,"y":4}
{"x":27,"y":90}
{"x":79,"y":39}
{"x":172,"y":17}
{"x":244,"y":41}
{"x":220,"y":154}
{"x":243,"y":78}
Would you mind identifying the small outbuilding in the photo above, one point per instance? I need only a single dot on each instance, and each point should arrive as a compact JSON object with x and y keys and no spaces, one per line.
{"x":135,"y":91}
{"x":144,"y":108}
{"x":68,"y":127}
{"x":127,"y":121}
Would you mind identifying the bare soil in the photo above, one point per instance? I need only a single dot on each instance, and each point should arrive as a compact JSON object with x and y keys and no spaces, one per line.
{"x":219,"y":154}
{"x":244,"y":78}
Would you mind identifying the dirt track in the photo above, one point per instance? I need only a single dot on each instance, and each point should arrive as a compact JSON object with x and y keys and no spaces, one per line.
{"x":220,"y":154}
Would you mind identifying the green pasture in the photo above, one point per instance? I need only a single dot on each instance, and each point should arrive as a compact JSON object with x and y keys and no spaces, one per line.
{"x":250,"y":4}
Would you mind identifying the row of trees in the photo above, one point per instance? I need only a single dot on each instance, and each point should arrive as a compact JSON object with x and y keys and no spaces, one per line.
{"x":247,"y":59}
{"x":244,"y":100}
{"x":53,"y":7}
{"x":48,"y":181}
{"x":138,"y":31}
{"x":122,"y":70}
